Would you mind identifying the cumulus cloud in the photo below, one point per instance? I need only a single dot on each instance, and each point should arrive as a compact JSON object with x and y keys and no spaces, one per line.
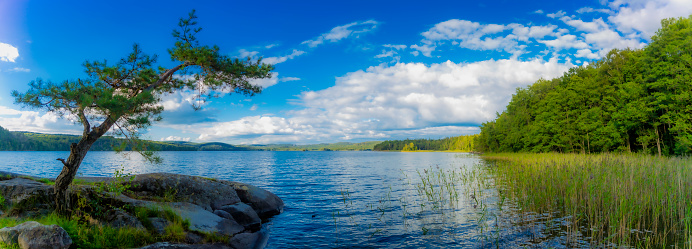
{"x":338,"y":33}
{"x":8,"y":52}
{"x":405,"y":99}
{"x":645,"y":16}
{"x":18,"y":120}
{"x":511,"y":38}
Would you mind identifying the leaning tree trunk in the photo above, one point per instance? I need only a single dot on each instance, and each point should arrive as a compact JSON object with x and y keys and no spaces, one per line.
{"x":70,"y":166}
{"x":69,"y":170}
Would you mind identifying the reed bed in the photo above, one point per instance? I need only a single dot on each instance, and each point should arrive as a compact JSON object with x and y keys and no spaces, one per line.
{"x":609,"y":199}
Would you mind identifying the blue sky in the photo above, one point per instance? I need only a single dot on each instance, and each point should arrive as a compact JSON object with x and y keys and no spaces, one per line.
{"x":352,"y":71}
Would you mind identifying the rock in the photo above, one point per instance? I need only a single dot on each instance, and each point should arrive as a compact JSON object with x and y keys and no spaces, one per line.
{"x":257,"y":240}
{"x":193,"y":238}
{"x":119,"y":218}
{"x":22,"y":191}
{"x":244,"y":215}
{"x":32,"y":234}
{"x":168,"y":245}
{"x":223,"y":214}
{"x":159,"y":224}
{"x":204,"y":221}
{"x":265,"y":203}
{"x":9,"y":235}
{"x":207,"y":193}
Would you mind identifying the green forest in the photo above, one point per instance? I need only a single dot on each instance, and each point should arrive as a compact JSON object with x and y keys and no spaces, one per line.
{"x":460,"y":143}
{"x":632,"y":100}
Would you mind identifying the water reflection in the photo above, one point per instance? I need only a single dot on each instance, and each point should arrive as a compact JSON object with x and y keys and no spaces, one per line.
{"x":348,"y":199}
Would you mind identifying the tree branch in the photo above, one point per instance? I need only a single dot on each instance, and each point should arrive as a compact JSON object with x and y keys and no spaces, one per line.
{"x":167,"y":75}
{"x":85,"y":121}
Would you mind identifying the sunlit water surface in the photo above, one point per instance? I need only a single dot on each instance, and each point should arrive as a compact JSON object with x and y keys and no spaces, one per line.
{"x":342,"y":199}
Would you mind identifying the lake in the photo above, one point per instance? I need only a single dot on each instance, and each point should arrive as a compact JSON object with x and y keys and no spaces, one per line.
{"x":354,"y":199}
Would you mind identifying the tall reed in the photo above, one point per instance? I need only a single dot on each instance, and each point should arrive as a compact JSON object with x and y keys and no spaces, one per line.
{"x":611,"y":199}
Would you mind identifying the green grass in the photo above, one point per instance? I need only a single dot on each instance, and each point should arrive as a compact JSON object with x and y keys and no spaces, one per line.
{"x":629,"y":199}
{"x":86,"y":235}
{"x":90,"y":236}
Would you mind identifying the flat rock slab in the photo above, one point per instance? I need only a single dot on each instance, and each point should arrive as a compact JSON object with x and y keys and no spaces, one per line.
{"x":207,"y":193}
{"x":204,"y":221}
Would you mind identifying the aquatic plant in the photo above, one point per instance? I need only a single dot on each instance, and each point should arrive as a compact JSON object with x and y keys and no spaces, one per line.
{"x":610,"y":199}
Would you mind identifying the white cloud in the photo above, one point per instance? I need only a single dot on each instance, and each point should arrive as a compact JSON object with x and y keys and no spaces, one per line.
{"x":287,"y":79}
{"x":243,"y":53}
{"x":17,"y":120}
{"x":277,"y":60}
{"x":19,"y":69}
{"x":538,"y":12}
{"x":338,"y":33}
{"x":565,"y":42}
{"x":385,"y":53}
{"x":593,"y":26}
{"x":175,"y":138}
{"x":254,"y":107}
{"x":405,"y":99}
{"x":556,"y":14}
{"x":266,"y":82}
{"x":8,"y":53}
{"x":426,"y":50}
{"x":645,"y":16}
{"x":591,"y":10}
{"x":476,"y":36}
{"x":586,"y":53}
{"x":395,"y":47}
{"x":254,"y":125}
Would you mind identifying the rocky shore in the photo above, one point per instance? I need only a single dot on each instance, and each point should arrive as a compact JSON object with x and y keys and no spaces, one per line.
{"x":231,"y":213}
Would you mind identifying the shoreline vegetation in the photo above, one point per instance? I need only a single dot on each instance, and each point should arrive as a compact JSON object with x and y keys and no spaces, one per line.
{"x":632,"y":100}
{"x":607,"y":199}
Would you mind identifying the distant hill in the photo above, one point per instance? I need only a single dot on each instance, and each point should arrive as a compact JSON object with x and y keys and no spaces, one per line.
{"x":31,"y":141}
{"x":341,"y":146}
{"x":460,"y":143}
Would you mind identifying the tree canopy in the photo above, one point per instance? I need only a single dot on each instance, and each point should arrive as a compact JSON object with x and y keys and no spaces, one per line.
{"x":630,"y":100}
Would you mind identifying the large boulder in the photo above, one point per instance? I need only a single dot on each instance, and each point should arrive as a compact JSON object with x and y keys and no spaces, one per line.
{"x":243,"y":214}
{"x":26,"y":192}
{"x":33,"y":235}
{"x":207,"y":193}
{"x":266,"y":204}
{"x":204,"y":221}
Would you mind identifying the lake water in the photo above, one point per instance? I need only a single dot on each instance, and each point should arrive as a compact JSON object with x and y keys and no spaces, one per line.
{"x":345,"y":199}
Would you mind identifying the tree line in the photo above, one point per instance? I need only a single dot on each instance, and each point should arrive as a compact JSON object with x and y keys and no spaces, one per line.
{"x":634,"y":100}
{"x":460,"y":143}
{"x":30,"y":141}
